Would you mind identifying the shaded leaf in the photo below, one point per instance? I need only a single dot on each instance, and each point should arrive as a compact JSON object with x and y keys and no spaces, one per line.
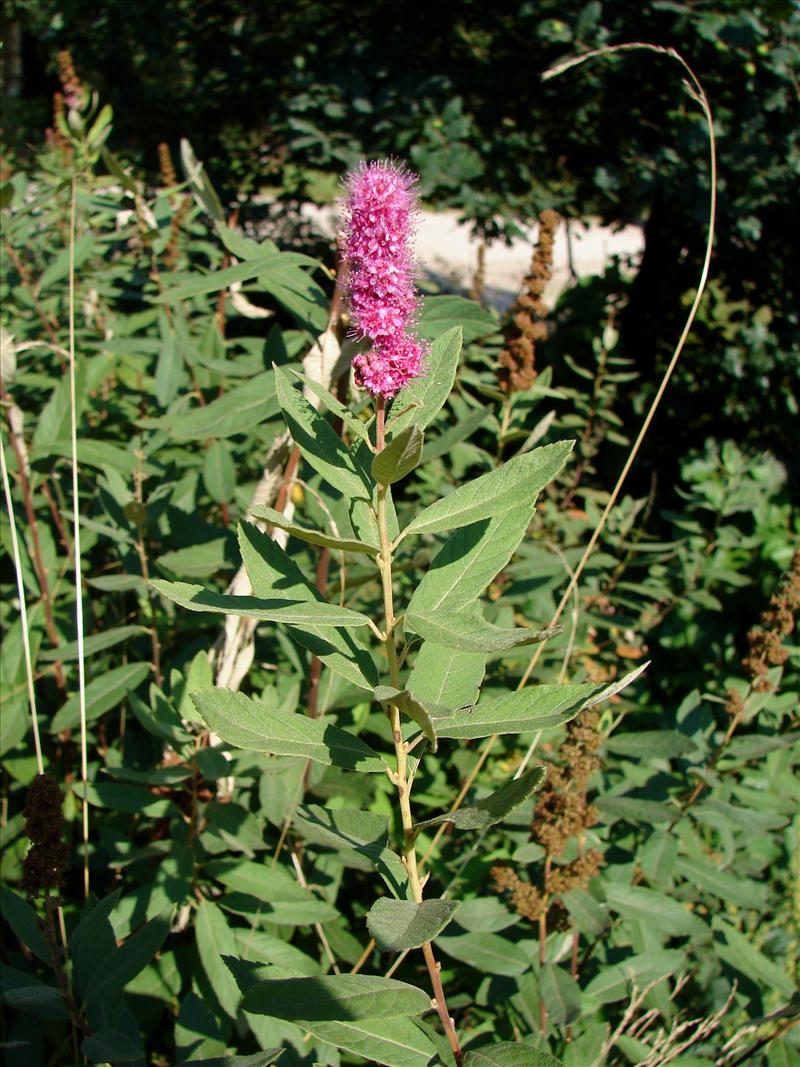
{"x":486,"y":952}
{"x":317,"y":613}
{"x":494,"y":808}
{"x":402,"y":924}
{"x":314,"y":537}
{"x":336,"y":998}
{"x":393,"y":1042}
{"x":509,"y":1054}
{"x":101,"y":695}
{"x":399,"y":457}
{"x":131,"y":957}
{"x":423,"y":715}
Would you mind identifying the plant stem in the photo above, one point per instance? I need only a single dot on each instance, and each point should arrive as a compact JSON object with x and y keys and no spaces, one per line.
{"x":403,"y":780}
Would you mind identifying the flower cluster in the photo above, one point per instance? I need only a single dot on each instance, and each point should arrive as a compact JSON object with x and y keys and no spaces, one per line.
{"x":380,"y":211}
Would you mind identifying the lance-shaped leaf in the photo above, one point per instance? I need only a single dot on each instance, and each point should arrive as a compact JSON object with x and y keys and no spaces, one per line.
{"x":424,"y":715}
{"x":509,"y":1054}
{"x":248,"y":404}
{"x":318,"y":442}
{"x":609,"y":691}
{"x":520,"y":480}
{"x":131,"y":957}
{"x":446,"y":676}
{"x":335,"y":406}
{"x":360,"y":833}
{"x":255,"y":727}
{"x":539,"y":708}
{"x":196,"y":598}
{"x":400,"y":456}
{"x":467,"y":631}
{"x":220,"y":279}
{"x":401,"y":924}
{"x":469,"y":560}
{"x":422,"y":398}
{"x":314,"y":537}
{"x":273,"y":573}
{"x":276,"y":893}
{"x":335,"y":997}
{"x":393,"y":1042}
{"x":494,"y":808}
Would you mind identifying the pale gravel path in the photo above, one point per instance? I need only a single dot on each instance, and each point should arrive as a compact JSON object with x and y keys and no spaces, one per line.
{"x":448,"y":254}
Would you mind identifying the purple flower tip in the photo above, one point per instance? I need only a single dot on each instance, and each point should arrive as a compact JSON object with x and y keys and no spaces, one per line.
{"x":380,"y":211}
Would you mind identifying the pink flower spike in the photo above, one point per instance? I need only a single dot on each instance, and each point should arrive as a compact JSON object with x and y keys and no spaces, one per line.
{"x":380,"y":210}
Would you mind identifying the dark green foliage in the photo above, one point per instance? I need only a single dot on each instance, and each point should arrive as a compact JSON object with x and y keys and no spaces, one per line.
{"x":232,"y":850}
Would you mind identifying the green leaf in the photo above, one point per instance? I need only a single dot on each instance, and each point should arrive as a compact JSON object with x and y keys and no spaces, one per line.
{"x":538,"y":708}
{"x":335,"y":406}
{"x":420,"y":401}
{"x":446,"y":676}
{"x":242,"y":408}
{"x":131,"y":957}
{"x":561,"y":994}
{"x":318,"y":442}
{"x":96,"y":643}
{"x":215,"y":940}
{"x":39,"y":1000}
{"x":197,"y":1029}
{"x":201,"y":284}
{"x":128,"y":799}
{"x":23,"y":920}
{"x":101,"y":695}
{"x":112,"y":1046}
{"x":486,"y":915}
{"x":650,"y":744}
{"x":739,"y":953}
{"x":657,"y":855}
{"x":486,"y":952}
{"x":195,"y":598}
{"x":93,"y":941}
{"x":335,"y":998}
{"x":284,"y":900}
{"x":635,"y":809}
{"x":509,"y":1054}
{"x":516,"y":482}
{"x":256,"y":1059}
{"x":219,"y":473}
{"x":363,"y":832}
{"x":494,"y":808}
{"x":589,"y":916}
{"x":400,"y":456}
{"x":393,"y":1042}
{"x":468,"y":561}
{"x":423,"y":715}
{"x":268,"y":949}
{"x":402,"y":924}
{"x":653,"y":908}
{"x":467,"y":631}
{"x":254,"y":726}
{"x":440,"y":313}
{"x":59,"y":266}
{"x":731,"y":887}
{"x":314,"y":537}
{"x":168,"y":372}
{"x":613,"y":982}
{"x":271,"y":569}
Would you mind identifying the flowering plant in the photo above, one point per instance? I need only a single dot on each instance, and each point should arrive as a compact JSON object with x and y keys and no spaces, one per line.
{"x":428,"y":657}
